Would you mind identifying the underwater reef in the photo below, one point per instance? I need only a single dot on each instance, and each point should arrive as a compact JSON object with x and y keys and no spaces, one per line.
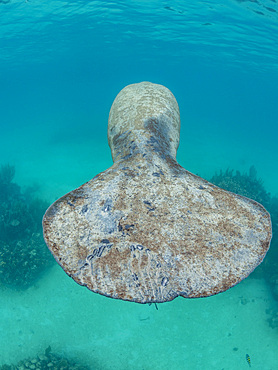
{"x":249,"y":185}
{"x":246,"y":184}
{"x":24,"y":255}
{"x":46,"y":361}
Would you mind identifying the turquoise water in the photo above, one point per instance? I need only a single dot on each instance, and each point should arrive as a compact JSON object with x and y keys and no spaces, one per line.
{"x":62,"y":63}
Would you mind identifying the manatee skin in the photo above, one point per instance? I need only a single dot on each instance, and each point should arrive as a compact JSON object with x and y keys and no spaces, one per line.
{"x":146,"y":230}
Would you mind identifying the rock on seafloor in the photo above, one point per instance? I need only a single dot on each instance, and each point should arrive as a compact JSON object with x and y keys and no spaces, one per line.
{"x":146,"y":230}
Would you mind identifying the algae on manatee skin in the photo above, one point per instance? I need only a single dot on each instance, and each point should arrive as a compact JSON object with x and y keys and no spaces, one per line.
{"x":23,"y":253}
{"x":250,"y":186}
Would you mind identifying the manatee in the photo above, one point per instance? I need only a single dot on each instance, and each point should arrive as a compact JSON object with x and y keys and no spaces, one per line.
{"x":146,"y":230}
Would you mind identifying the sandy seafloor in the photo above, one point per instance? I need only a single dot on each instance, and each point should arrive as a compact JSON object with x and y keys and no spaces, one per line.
{"x":208,"y":333}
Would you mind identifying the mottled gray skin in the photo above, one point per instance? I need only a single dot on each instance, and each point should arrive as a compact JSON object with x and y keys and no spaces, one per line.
{"x":146,"y":230}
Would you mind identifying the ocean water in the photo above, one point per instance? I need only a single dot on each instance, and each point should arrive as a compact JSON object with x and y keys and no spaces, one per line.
{"x":62,"y":63}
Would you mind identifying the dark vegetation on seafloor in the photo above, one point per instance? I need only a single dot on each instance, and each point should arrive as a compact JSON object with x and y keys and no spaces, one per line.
{"x":46,"y":361}
{"x":24,"y":255}
{"x":250,"y":186}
